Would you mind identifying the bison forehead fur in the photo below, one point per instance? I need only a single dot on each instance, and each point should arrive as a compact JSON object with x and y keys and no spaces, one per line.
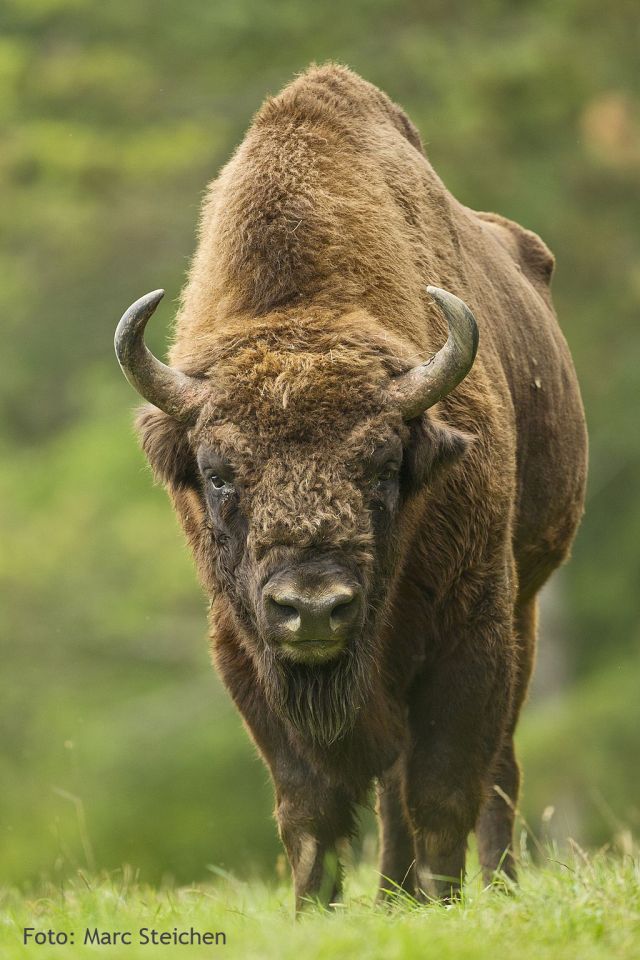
{"x":373,"y":564}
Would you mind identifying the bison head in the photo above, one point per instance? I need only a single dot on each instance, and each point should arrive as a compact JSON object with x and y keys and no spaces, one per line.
{"x":291,"y":459}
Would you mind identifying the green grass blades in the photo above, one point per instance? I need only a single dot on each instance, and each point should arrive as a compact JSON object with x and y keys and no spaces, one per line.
{"x":571,"y":907}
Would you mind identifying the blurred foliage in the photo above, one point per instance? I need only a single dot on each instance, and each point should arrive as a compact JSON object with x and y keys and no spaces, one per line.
{"x":112,"y":119}
{"x":580,"y":750}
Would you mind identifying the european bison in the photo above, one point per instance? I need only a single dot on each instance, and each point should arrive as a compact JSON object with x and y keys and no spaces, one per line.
{"x":372,"y":513}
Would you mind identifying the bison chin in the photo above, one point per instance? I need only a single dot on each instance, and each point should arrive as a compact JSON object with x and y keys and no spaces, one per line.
{"x":321,"y":701}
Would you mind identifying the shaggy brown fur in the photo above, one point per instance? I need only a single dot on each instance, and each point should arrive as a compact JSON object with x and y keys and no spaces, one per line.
{"x":306,"y":296}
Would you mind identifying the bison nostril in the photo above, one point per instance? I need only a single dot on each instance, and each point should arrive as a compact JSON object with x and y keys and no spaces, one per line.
{"x":343,"y":613}
{"x":283,"y":614}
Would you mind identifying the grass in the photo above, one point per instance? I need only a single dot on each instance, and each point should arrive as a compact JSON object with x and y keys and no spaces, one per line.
{"x":567,"y":907}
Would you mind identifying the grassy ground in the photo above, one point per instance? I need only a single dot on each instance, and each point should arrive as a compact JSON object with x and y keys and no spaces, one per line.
{"x":579,"y":908}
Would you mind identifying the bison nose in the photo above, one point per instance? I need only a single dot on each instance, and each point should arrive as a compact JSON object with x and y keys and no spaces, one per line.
{"x":312,"y":616}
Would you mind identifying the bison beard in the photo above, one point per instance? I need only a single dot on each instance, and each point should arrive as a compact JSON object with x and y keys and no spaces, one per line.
{"x":321,"y":701}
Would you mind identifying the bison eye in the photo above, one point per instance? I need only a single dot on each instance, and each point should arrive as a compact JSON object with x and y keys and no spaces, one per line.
{"x":388,"y":473}
{"x":217,"y":482}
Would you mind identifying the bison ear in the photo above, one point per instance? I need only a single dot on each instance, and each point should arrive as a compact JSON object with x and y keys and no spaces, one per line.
{"x":433,"y":446}
{"x":164,"y":441}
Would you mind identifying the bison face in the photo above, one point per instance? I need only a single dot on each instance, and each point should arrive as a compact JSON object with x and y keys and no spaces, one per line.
{"x":291,"y":462}
{"x":299,"y":535}
{"x":299,"y":518}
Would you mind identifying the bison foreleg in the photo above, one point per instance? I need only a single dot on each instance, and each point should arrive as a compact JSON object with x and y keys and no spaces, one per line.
{"x":314,"y":821}
{"x":458,"y":718}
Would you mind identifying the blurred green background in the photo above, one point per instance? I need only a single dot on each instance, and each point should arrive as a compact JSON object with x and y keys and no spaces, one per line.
{"x":118,"y":743}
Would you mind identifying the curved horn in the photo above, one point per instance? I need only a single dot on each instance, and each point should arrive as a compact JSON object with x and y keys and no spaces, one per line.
{"x":422,"y":386}
{"x":170,"y":390}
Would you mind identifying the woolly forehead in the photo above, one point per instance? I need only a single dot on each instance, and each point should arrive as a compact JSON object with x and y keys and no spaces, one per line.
{"x":264,"y":402}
